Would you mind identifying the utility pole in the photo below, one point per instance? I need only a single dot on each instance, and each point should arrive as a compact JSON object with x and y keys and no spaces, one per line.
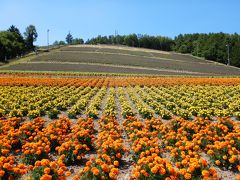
{"x":228,"y":63}
{"x":48,"y":39}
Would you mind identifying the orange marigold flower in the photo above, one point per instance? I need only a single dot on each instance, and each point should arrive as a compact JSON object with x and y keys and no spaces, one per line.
{"x":60,"y":171}
{"x":217,"y":162}
{"x":95,"y":171}
{"x":10,"y":178}
{"x":38,"y":152}
{"x":5,"y":151}
{"x":52,"y":164}
{"x":205,"y":173}
{"x":116,"y":163}
{"x":224,"y":157}
{"x":115,"y":171}
{"x":2,"y":172}
{"x":46,"y":177}
{"x":210,"y":152}
{"x":76,"y":177}
{"x":162,"y":171}
{"x":231,"y":160}
{"x":154,"y":170}
{"x":238,"y":167}
{"x":118,"y":155}
{"x":79,"y":157}
{"x":112,"y":175}
{"x":187,"y":176}
{"x":137,"y":174}
{"x":68,"y":173}
{"x":88,"y":163}
{"x":45,"y":162}
{"x":47,"y":170}
{"x":105,"y":167}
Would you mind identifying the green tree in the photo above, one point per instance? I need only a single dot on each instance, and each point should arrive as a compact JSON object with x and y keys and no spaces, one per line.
{"x":30,"y":36}
{"x":21,"y":46}
{"x":77,"y":41}
{"x":69,"y":38}
{"x":14,"y":29}
{"x":62,"y":43}
{"x":56,"y":43}
{"x":10,"y":47}
{"x":131,"y":40}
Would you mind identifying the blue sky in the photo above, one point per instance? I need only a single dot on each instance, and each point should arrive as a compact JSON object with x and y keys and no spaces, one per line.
{"x":89,"y":18}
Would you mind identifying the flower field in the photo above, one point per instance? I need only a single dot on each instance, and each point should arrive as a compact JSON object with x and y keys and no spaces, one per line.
{"x":119,"y":128}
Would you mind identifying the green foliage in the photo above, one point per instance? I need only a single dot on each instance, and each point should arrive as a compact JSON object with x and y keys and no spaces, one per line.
{"x":211,"y":46}
{"x":145,"y":41}
{"x":69,"y":38}
{"x":77,"y":41}
{"x":30,"y":36}
{"x":131,"y":40}
{"x":34,"y":114}
{"x":59,"y":43}
{"x":12,"y":43}
{"x":52,"y":113}
{"x":10,"y":46}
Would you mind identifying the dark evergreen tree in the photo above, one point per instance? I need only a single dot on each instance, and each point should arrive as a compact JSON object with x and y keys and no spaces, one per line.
{"x":69,"y":38}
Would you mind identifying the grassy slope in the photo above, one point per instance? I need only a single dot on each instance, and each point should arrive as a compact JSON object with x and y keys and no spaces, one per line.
{"x":120,"y":59}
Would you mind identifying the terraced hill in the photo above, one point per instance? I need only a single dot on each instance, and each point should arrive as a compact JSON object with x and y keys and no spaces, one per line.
{"x":121,"y":59}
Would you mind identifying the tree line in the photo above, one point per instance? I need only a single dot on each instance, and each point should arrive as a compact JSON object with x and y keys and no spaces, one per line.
{"x":13,"y":43}
{"x":134,"y":40}
{"x":69,"y":40}
{"x":211,"y":46}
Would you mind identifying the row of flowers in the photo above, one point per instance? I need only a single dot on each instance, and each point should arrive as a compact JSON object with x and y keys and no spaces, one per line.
{"x":33,"y":142}
{"x":77,"y":143}
{"x":185,"y":153}
{"x":127,"y":110}
{"x":206,"y":101}
{"x":110,"y":150}
{"x":150,"y":98}
{"x":166,"y":101}
{"x":38,"y":101}
{"x":187,"y":143}
{"x":95,"y":105}
{"x":141,"y":106}
{"x":13,"y":80}
{"x":187,"y":102}
{"x":110,"y":106}
{"x":82,"y":102}
{"x":147,"y":152}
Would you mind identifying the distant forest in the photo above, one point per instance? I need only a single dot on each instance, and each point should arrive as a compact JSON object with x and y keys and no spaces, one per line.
{"x":212,"y":46}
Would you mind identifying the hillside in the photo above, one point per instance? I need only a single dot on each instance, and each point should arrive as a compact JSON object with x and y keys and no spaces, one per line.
{"x":121,"y":59}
